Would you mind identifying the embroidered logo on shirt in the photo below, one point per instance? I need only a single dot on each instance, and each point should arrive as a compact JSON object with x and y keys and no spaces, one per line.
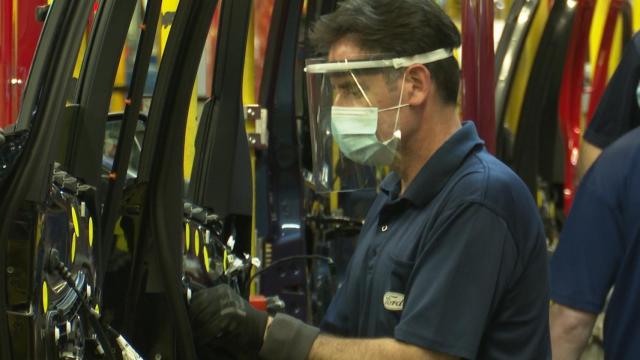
{"x":393,"y":301}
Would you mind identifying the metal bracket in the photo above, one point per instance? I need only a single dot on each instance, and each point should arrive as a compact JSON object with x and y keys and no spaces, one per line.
{"x":259,"y":138}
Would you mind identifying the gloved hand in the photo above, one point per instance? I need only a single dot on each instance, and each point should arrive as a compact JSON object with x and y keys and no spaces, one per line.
{"x":221,"y":318}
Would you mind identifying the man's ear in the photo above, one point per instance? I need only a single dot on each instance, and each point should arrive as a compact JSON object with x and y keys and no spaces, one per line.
{"x":418,"y":85}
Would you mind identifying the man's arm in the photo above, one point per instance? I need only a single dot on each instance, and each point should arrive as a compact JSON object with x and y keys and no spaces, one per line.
{"x":588,"y":154}
{"x":328,"y":347}
{"x":570,"y":331}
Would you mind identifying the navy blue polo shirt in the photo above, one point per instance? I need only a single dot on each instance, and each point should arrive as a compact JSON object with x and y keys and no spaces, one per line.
{"x":457,"y":264}
{"x":600,"y":247}
{"x":618,"y":110}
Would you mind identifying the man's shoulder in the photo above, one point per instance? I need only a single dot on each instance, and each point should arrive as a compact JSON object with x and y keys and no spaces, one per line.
{"x":628,"y":146}
{"x":489,"y":183}
{"x":636,"y":42}
{"x":487,"y":180}
{"x":619,"y":160}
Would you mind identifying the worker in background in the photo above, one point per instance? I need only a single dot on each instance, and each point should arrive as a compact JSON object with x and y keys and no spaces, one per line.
{"x":451,"y":261}
{"x":599,"y":250}
{"x":618,"y":110}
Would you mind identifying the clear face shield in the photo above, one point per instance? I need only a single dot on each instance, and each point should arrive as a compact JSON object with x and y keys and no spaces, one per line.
{"x":354,"y":138}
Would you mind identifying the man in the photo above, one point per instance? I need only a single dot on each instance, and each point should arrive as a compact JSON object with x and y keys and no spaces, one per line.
{"x":618,"y":110}
{"x":599,"y":249}
{"x":451,"y":262}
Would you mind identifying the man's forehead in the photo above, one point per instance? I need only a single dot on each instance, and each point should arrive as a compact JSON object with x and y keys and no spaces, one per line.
{"x":346,"y":49}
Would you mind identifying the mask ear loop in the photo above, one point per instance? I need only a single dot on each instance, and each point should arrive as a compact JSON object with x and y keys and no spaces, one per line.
{"x":396,"y":131}
{"x":360,"y":87}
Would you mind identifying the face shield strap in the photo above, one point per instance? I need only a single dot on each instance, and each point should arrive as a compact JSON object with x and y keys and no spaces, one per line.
{"x":360,"y":87}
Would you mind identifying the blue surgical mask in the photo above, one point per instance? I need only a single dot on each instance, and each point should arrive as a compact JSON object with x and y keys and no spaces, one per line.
{"x":354,"y":130}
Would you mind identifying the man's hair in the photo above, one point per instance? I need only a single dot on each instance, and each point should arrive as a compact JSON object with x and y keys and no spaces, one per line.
{"x":398,"y":28}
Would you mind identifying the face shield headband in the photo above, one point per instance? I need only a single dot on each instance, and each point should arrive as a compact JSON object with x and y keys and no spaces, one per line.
{"x":396,"y":63}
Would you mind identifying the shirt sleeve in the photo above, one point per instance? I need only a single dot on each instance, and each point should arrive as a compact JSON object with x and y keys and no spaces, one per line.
{"x":456,"y":282}
{"x":586,"y":260}
{"x":618,"y":110}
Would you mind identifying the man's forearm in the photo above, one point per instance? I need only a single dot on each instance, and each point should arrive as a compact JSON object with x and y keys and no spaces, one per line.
{"x":570,"y":331}
{"x":329,"y":347}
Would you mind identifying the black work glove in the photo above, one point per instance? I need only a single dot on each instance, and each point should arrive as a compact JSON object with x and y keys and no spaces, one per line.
{"x":222,"y":319}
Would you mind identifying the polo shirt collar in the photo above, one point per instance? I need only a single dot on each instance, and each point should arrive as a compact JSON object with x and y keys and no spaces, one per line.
{"x":436,"y":172}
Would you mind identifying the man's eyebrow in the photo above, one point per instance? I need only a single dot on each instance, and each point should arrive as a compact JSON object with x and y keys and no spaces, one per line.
{"x":341,"y":81}
{"x":345,"y":85}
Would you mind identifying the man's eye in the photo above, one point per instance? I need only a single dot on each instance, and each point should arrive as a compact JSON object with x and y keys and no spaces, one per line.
{"x":347,"y":92}
{"x":353,"y":91}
